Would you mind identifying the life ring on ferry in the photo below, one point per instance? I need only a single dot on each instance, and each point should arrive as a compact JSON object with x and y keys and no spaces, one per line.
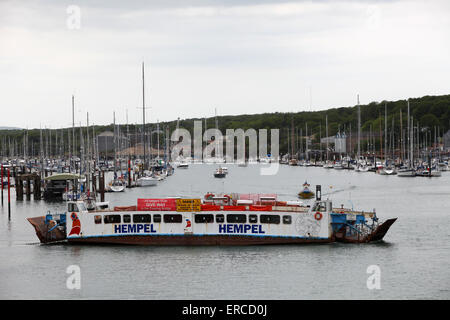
{"x":318,"y":216}
{"x":209,"y":196}
{"x":228,"y":198}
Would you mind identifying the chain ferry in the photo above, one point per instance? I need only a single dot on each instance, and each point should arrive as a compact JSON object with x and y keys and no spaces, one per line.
{"x":234,"y":219}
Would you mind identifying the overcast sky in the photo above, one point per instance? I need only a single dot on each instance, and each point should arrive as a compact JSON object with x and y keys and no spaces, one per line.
{"x":237,"y":56}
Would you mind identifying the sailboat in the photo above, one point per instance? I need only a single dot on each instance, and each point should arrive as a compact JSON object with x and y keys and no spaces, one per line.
{"x":409,"y":170}
{"x":118,"y":184}
{"x":147,"y":181}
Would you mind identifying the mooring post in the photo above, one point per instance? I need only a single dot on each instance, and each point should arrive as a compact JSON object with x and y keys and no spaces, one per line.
{"x":9,"y":195}
{"x":102,"y":187}
{"x":19,"y":188}
{"x":94,"y":183}
{"x":37,"y":187}
{"x":2,"y":185}
{"x":28,"y":189}
{"x":129,"y":173}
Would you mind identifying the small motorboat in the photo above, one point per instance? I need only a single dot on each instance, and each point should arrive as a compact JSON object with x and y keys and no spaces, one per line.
{"x":328,"y":165}
{"x":117,"y":185}
{"x":146,"y":181}
{"x":306,"y":193}
{"x":183,"y":165}
{"x":406,"y":172}
{"x":338,"y":166}
{"x":220,"y":173}
{"x":388,"y":171}
{"x":429,"y":172}
{"x":243,"y":164}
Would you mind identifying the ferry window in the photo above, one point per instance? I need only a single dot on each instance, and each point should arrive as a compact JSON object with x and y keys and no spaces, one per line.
{"x":220,"y":218}
{"x":82,"y":207}
{"x":173,"y":218}
{"x":73,"y":207}
{"x":236,"y":218}
{"x":126,"y":218}
{"x":253,"y":218}
{"x":111,"y":218}
{"x":323,"y":207}
{"x":269,"y":218}
{"x":140,"y":218}
{"x":98,"y":219}
{"x":157,"y":218}
{"x":287,"y":219}
{"x":320,"y":206}
{"x":204,"y":218}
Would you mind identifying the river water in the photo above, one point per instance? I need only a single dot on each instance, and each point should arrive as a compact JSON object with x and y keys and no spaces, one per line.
{"x":413,"y":259}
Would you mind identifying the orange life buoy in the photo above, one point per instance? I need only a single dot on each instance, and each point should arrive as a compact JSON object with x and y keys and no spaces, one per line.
{"x":228,"y":198}
{"x":318,"y":216}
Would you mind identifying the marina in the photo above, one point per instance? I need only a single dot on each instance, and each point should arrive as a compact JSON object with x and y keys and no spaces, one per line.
{"x":233,"y":158}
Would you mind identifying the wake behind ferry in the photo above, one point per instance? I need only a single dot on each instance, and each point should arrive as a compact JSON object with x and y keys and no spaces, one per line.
{"x":234,"y":219}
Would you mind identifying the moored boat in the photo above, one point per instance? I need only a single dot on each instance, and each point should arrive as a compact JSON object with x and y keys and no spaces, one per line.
{"x":117,"y":185}
{"x":220,"y":173}
{"x":406,"y":172}
{"x":146,"y":181}
{"x":183,"y":165}
{"x":306,"y":193}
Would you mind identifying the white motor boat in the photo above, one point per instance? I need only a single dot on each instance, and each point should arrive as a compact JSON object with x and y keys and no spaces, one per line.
{"x":243,"y":164}
{"x":431,"y":172}
{"x":435,"y":173}
{"x":405,"y":172}
{"x":443,"y":166}
{"x":338,"y":166}
{"x":361,"y":168}
{"x":389,"y":171}
{"x":328,"y":165}
{"x":183,"y":165}
{"x":146,"y":182}
{"x":117,"y":186}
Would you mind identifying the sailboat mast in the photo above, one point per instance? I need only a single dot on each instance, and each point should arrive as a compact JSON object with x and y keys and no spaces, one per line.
{"x":411,"y":147}
{"x":326,"y":134}
{"x":409,"y":139}
{"x":385,"y":134}
{"x":157,"y":135}
{"x":401,"y":138}
{"x":292,"y":138}
{"x":143,"y":113}
{"x":114,"y":140}
{"x":359,"y":129}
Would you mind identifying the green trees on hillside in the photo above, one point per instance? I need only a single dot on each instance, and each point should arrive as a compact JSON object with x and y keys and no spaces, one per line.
{"x":431,"y":111}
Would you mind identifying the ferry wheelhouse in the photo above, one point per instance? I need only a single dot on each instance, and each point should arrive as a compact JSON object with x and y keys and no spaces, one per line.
{"x":235,"y":219}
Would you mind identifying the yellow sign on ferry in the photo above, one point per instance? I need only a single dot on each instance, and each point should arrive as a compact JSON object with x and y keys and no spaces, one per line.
{"x":187,"y":205}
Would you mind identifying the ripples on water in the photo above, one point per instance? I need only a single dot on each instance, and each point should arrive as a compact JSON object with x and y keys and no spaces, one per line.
{"x":413,"y":259}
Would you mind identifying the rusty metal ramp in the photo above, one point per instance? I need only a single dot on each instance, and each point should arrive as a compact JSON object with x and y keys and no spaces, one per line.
{"x":381,"y":230}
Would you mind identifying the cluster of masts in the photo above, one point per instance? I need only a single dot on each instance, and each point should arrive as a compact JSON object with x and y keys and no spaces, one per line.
{"x":410,"y":146}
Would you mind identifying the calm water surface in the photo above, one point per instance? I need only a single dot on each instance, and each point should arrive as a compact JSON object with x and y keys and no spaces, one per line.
{"x":414,"y":258}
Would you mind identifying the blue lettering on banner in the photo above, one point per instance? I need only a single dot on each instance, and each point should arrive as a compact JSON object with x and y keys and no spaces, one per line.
{"x":134,"y":228}
{"x":240,"y":228}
